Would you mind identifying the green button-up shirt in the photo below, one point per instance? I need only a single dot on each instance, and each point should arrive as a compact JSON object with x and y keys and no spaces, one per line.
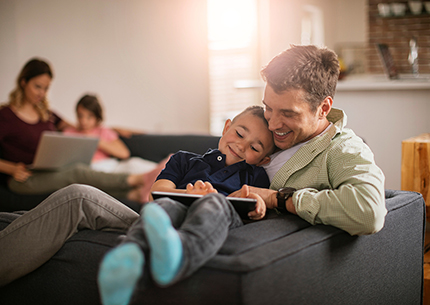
{"x":337,"y":180}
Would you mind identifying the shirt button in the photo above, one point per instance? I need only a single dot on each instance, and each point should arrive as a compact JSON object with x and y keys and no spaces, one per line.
{"x":219,"y":158}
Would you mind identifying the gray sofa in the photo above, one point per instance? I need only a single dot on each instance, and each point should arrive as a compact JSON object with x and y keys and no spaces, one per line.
{"x":280,"y":260}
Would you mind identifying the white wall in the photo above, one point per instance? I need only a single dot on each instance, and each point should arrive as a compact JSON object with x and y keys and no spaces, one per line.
{"x":147,"y":60}
{"x":345,"y":21}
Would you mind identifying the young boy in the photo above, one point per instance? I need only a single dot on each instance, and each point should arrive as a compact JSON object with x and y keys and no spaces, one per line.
{"x":178,"y":239}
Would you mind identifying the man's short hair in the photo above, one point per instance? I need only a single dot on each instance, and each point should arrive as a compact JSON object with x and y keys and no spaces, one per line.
{"x":313,"y":69}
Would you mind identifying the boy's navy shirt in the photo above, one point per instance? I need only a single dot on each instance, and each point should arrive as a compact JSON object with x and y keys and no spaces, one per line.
{"x":186,"y":167}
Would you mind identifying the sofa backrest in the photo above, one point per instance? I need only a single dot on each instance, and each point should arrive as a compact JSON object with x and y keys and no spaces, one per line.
{"x":155,"y":147}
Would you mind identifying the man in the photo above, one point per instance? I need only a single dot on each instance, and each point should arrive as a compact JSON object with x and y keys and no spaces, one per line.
{"x":330,"y":173}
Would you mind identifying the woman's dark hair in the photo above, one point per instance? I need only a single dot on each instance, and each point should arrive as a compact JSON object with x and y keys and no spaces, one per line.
{"x":91,"y":103}
{"x":33,"y":68}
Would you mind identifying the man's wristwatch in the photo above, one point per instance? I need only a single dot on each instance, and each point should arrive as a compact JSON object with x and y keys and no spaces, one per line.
{"x":283,"y":194}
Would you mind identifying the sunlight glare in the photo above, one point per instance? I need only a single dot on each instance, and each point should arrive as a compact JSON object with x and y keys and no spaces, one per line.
{"x":232,"y":23}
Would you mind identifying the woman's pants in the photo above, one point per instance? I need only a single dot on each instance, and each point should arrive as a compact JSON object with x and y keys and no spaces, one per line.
{"x":42,"y":182}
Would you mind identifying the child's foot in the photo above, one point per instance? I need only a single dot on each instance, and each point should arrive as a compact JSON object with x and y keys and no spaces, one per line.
{"x":134,"y":195}
{"x":144,"y":182}
{"x":164,"y":242}
{"x":149,"y":179}
{"x":119,"y":272}
{"x":135,"y":180}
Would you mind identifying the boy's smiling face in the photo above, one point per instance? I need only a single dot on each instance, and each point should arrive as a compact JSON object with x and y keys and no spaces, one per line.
{"x":247,"y":138}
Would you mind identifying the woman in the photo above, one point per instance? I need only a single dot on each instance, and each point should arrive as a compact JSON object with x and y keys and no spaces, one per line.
{"x":22,"y":121}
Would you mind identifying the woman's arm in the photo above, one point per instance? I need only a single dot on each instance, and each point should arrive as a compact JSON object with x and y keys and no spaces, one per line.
{"x":126,"y":132}
{"x":115,"y":148}
{"x":62,"y":124}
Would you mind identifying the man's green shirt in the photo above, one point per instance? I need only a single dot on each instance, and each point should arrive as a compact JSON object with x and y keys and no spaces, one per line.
{"x":337,"y":180}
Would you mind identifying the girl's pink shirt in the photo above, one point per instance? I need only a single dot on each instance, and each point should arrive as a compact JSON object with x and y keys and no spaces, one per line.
{"x":103,"y":133}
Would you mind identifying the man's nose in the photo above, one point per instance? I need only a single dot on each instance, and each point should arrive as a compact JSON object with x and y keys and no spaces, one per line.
{"x":275,"y":122}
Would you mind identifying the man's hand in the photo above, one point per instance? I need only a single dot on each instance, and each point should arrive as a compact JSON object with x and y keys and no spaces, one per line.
{"x":20,"y":172}
{"x":269,"y":196}
{"x":260,"y":206}
{"x":200,"y":188}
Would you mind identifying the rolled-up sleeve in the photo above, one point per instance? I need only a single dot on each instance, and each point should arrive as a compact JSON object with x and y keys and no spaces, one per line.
{"x":355,"y":201}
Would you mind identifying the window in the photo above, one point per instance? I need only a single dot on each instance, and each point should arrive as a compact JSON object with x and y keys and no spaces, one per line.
{"x":233,"y":58}
{"x":312,"y":26}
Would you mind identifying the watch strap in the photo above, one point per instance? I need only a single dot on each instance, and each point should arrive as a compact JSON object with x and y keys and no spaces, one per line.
{"x":282,"y":196}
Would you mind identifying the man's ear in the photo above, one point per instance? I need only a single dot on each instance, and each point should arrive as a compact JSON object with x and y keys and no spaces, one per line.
{"x":226,"y":126}
{"x":325,"y":106}
{"x":264,"y":161}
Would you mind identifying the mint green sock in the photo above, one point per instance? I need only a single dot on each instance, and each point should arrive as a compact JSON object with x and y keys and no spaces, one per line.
{"x":119,"y":272}
{"x":164,"y":243}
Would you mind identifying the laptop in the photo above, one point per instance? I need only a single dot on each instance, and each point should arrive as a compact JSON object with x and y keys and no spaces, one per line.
{"x":390,"y":68}
{"x":56,"y":150}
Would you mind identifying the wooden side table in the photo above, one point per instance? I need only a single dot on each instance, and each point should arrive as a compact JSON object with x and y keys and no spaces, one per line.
{"x":416,"y":167}
{"x":416,"y":177}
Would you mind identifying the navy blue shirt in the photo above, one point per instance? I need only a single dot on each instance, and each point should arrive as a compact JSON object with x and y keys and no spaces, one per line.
{"x":186,"y":167}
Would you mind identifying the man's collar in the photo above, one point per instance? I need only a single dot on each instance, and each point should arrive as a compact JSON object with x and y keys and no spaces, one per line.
{"x":337,"y":117}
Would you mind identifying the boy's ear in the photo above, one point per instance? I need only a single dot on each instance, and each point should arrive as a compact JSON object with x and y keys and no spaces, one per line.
{"x":264,"y":161}
{"x":226,"y":126}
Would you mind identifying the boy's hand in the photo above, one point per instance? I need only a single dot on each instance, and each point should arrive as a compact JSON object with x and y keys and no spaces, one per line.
{"x":200,"y":188}
{"x":260,"y":206}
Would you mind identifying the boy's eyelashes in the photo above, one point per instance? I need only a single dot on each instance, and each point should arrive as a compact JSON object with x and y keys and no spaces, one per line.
{"x":252,"y":147}
{"x":255,"y":149}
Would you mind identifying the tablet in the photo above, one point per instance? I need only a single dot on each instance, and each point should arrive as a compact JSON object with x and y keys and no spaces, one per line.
{"x":242,"y":205}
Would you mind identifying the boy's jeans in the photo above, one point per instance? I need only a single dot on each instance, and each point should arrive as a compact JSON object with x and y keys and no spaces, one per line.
{"x":33,"y":238}
{"x":203,"y":228}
